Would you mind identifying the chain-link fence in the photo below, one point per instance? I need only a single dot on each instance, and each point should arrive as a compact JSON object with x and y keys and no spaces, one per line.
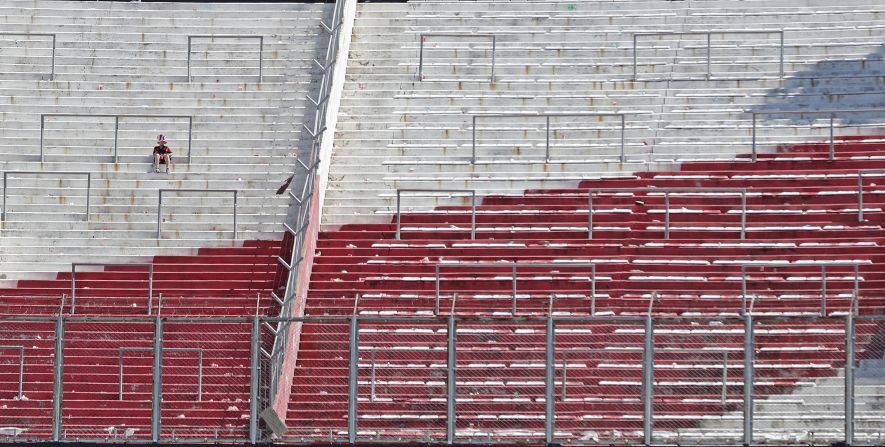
{"x":500,"y":379}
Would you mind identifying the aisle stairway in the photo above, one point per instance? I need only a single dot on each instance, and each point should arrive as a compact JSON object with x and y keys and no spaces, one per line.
{"x":801,"y":210}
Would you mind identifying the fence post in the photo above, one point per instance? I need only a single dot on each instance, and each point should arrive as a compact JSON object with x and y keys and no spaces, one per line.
{"x":157,"y":392}
{"x":590,"y":214}
{"x":709,"y":50}
{"x":116,"y":137}
{"x":749,"y":355}
{"x":494,"y":45}
{"x":420,"y":57}
{"x":253,"y":382}
{"x":52,"y":70}
{"x":623,"y":138}
{"x":398,"y":213}
{"x":188,"y":58}
{"x":473,"y":215}
{"x":753,"y":157}
{"x":547,"y":148}
{"x":782,"y":54}
{"x":42,"y":128}
{"x":743,"y":213}
{"x":3,"y":209}
{"x":666,"y":214}
{"x":849,"y":377}
{"x":550,"y":404}
{"x":58,"y":378}
{"x":260,"y":58}
{"x":352,"y":380}
{"x":235,"y":214}
{"x":451,"y":384}
{"x":634,"y":57}
{"x":190,"y":136}
{"x":859,"y":196}
{"x":473,"y":145}
{"x":832,"y":147}
{"x":648,"y":381}
{"x":159,"y":209}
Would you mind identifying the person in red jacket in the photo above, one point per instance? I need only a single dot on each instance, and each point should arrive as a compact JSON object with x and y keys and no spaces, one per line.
{"x":162,"y":154}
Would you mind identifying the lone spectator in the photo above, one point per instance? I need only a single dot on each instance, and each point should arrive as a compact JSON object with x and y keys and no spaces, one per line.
{"x":162,"y":154}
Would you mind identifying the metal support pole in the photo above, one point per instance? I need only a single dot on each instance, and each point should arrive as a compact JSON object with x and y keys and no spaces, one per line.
{"x":157,"y":392}
{"x":743,"y":214}
{"x":398,"y":213}
{"x":823,"y":290}
{"x":753,"y":158}
{"x":42,"y":128}
{"x":260,"y":58}
{"x":547,"y":148}
{"x":116,"y":137}
{"x":421,"y":57}
{"x":352,"y":380}
{"x":494,"y":45}
{"x":590,"y":215}
{"x":832,"y":144}
{"x":150,"y":304}
{"x":623,"y":138}
{"x":190,"y":136}
{"x":451,"y":382}
{"x":782,"y":55}
{"x":513,"y":290}
{"x":549,"y":403}
{"x":189,"y":58}
{"x":648,"y":382}
{"x":473,"y":145}
{"x":235,"y":215}
{"x":88,"y":193}
{"x":473,"y":215}
{"x":709,"y":51}
{"x":849,"y":377}
{"x":372,"y":376}
{"x":743,"y":290}
{"x":859,"y":196}
{"x":666,"y":214}
{"x":749,"y":359}
{"x":159,"y":209}
{"x":253,"y":382}
{"x":3,"y":210}
{"x":52,"y":69}
{"x":58,"y":378}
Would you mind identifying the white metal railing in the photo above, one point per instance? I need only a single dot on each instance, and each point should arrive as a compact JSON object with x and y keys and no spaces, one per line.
{"x":150,"y":267}
{"x":21,"y":366}
{"x":547,"y":130}
{"x":667,"y":192}
{"x":708,"y":34}
{"x":823,"y":266}
{"x":6,"y":175}
{"x":190,"y":39}
{"x":43,"y":116}
{"x":160,"y":205}
{"x":436,"y":193}
{"x":52,"y":57}
{"x":860,"y":175}
{"x":831,"y":114}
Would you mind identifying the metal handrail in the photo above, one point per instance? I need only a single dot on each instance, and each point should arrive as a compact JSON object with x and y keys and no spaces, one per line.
{"x":823,"y":271}
{"x":199,"y":352}
{"x":435,"y":192}
{"x":189,"y":118}
{"x":300,"y":221}
{"x":423,"y":37}
{"x":21,"y":366}
{"x":723,"y":351}
{"x":666,"y":192}
{"x":860,"y":175}
{"x":190,"y":38}
{"x":160,"y":204}
{"x":5,"y":183}
{"x":832,"y":113}
{"x":150,"y":267}
{"x":709,"y":74}
{"x":514,"y":267}
{"x":52,"y":35}
{"x":547,"y":116}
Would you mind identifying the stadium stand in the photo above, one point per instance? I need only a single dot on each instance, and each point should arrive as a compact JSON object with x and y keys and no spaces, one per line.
{"x":537,"y":214}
